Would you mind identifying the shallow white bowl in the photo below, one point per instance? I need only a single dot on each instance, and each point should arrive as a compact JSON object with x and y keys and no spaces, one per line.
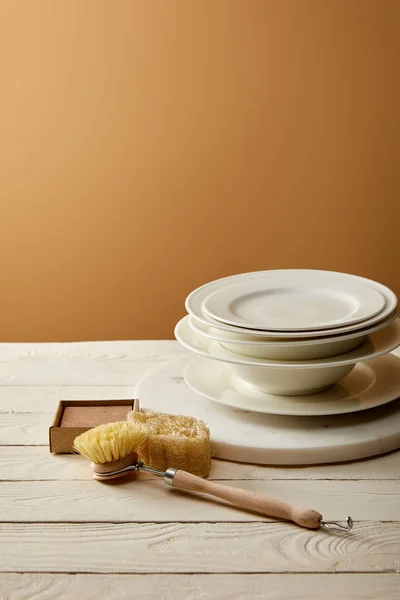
{"x":289,"y":381}
{"x":294,"y":350}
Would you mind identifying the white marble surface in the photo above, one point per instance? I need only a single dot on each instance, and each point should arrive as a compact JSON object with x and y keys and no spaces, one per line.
{"x":271,"y":439}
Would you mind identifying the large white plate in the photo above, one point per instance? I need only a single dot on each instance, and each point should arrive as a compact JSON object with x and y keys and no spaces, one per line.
{"x":369,"y":384}
{"x":194,"y":301}
{"x":293,"y":304}
{"x":378,"y":343}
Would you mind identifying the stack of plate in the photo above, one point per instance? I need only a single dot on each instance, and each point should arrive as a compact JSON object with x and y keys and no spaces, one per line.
{"x":293,"y":342}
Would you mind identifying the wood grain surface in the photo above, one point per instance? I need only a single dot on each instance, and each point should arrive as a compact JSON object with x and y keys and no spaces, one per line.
{"x":75,"y":537}
{"x":137,"y":499}
{"x":40,"y":586}
{"x":170,"y":547}
{"x":34,"y":463}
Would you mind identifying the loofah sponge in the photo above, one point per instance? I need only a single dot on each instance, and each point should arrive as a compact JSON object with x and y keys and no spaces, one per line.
{"x":174,"y":441}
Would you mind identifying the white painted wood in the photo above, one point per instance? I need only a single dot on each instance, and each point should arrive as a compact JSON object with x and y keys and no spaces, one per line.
{"x":24,"y":429}
{"x":63,"y":373}
{"x":345,"y":586}
{"x":196,"y":548}
{"x":62,"y":366}
{"x":44,"y":398}
{"x":38,"y":489}
{"x":270,"y":439}
{"x":35,"y":463}
{"x":18,"y":463}
{"x":137,"y":498}
{"x":134,"y":350}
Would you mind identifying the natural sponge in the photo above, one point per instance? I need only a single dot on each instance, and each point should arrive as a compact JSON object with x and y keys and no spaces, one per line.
{"x":174,"y":441}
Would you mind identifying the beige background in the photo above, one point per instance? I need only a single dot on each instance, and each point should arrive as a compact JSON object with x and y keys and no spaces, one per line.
{"x":147,"y":147}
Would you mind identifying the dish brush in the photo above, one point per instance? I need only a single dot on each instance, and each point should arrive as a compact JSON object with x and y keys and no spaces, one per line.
{"x":113,"y":451}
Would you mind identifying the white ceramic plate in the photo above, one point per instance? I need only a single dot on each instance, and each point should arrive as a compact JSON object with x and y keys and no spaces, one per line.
{"x":378,"y":343}
{"x":236,"y":338}
{"x":293,"y":304}
{"x":368,"y":385}
{"x":194,"y":301}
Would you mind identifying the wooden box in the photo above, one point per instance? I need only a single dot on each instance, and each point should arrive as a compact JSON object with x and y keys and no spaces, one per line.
{"x":74,"y":417}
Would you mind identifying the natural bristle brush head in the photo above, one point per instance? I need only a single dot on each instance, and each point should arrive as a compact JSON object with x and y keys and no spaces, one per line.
{"x":111,"y":447}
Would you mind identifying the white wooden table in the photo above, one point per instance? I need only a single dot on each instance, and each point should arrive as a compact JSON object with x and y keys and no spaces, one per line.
{"x":64,"y":535}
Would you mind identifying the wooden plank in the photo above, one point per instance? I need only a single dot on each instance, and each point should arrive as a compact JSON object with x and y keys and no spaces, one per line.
{"x":151,"y":500}
{"x":196,"y":548}
{"x":97,"y":368}
{"x":346,"y":586}
{"x":19,"y":463}
{"x":109,"y":372}
{"x":24,"y":429}
{"x":103,"y":350}
{"x":44,"y":399}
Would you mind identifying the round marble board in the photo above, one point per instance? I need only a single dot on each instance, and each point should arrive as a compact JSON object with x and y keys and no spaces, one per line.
{"x":270,"y":439}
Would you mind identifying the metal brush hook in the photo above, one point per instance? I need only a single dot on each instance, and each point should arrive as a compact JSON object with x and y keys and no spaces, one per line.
{"x":332,"y":525}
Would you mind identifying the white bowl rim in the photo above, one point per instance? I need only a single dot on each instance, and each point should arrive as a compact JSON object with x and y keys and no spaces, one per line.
{"x":379,"y":343}
{"x":290,"y":343}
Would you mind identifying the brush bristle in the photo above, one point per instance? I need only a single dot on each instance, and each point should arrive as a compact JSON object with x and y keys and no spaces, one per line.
{"x":111,"y":441}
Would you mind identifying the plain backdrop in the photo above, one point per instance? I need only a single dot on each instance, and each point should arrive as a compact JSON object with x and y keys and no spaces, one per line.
{"x":147,"y":147}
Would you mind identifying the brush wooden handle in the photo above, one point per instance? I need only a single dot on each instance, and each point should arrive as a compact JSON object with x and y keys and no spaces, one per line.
{"x":306,"y":517}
